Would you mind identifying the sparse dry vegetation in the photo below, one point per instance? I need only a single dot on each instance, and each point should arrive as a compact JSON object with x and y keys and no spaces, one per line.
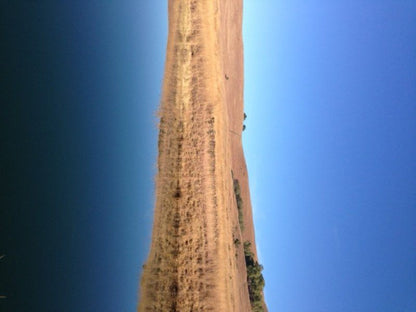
{"x":189,"y":267}
{"x":192,"y":264}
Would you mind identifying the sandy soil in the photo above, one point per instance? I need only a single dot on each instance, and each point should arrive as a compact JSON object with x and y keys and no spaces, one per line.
{"x":194,"y":264}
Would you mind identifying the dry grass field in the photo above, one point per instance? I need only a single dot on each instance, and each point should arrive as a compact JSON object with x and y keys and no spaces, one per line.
{"x":194,"y":263}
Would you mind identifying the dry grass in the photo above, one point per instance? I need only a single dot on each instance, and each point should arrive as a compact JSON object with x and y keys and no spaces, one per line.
{"x":194,"y":264}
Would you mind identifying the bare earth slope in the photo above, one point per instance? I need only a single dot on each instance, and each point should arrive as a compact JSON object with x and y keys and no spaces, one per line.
{"x":194,"y":264}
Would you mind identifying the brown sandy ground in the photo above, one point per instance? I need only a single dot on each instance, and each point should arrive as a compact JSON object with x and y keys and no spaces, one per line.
{"x":194,"y":264}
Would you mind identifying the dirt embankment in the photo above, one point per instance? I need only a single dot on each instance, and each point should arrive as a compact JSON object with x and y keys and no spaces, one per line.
{"x":194,"y":263}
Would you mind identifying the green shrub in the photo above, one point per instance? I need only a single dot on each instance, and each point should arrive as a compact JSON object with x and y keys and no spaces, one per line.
{"x":239,"y":200}
{"x":255,"y":280}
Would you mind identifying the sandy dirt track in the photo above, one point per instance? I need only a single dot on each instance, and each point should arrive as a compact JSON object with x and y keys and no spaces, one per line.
{"x":194,"y":264}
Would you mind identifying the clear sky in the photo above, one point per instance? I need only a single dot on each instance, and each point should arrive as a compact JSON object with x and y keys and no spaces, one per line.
{"x":330,"y":94}
{"x":330,"y":143}
{"x":80,"y":87}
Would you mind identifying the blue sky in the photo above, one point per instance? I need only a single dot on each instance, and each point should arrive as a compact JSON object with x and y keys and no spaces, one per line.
{"x":330,"y":144}
{"x":81,"y":84}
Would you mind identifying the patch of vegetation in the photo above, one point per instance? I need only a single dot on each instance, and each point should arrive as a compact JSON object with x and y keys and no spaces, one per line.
{"x":255,"y":280}
{"x":239,"y":200}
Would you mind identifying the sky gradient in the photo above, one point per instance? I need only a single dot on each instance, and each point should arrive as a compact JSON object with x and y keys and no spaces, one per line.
{"x":330,"y":144}
{"x":80,"y":83}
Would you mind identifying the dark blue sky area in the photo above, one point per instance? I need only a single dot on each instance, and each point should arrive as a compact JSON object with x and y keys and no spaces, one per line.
{"x":330,"y":141}
{"x":81,"y":83}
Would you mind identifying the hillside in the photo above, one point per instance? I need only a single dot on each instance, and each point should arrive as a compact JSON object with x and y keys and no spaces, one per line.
{"x":196,"y":260}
